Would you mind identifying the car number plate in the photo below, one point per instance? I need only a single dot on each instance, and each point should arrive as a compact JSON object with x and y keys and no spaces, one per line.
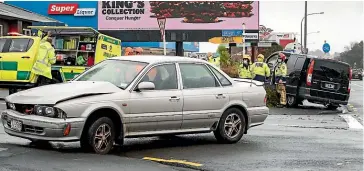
{"x":16,"y":125}
{"x":331,"y":86}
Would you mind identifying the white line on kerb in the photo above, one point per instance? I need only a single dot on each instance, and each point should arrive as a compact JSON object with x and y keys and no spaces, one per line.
{"x":352,"y":122}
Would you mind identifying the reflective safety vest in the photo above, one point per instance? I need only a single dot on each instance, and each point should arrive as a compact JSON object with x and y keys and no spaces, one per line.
{"x":44,"y":60}
{"x":280,"y":72}
{"x":215,"y":61}
{"x":245,"y":72}
{"x":260,"y":71}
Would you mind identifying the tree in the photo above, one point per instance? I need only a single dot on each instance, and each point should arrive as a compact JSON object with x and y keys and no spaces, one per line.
{"x":269,"y":50}
{"x":353,"y":54}
{"x":227,"y":65}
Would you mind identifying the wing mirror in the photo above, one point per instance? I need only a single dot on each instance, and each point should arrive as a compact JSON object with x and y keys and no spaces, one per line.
{"x":145,"y":86}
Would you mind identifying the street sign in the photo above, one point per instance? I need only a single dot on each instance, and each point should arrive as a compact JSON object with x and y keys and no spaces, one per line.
{"x":221,"y":40}
{"x":264,"y":44}
{"x":326,"y":47}
{"x":231,"y":33}
{"x":251,"y":36}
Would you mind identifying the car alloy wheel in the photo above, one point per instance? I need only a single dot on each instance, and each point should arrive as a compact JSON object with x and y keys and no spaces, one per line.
{"x":102,"y":137}
{"x":232,"y":125}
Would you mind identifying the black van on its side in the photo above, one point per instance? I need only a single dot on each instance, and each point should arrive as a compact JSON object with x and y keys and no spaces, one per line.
{"x":322,"y":81}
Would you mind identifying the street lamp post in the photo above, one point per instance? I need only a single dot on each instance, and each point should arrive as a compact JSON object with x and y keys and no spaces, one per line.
{"x":243,"y":26}
{"x":304,"y":19}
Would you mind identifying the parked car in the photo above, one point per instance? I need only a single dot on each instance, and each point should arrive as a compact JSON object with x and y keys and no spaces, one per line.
{"x":358,"y":74}
{"x":137,"y":96}
{"x":322,"y":81}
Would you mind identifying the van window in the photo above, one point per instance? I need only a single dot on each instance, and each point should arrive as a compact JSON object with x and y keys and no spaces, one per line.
{"x":331,"y":69}
{"x":2,"y":43}
{"x":20,"y":45}
{"x":299,"y":63}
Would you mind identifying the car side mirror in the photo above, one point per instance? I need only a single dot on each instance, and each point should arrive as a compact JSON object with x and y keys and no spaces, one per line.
{"x":145,"y":86}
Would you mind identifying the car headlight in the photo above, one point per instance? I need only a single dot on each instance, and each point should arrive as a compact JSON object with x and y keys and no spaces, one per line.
{"x":49,"y":111}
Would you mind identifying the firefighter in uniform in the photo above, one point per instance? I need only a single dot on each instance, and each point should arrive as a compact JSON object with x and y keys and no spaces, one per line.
{"x":44,"y":59}
{"x":138,"y":51}
{"x":280,"y":78}
{"x":245,"y":68}
{"x":214,"y":61}
{"x":260,"y":69}
{"x":128,"y":51}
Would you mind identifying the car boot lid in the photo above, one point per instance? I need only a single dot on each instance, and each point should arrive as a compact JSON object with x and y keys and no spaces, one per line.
{"x":52,"y":94}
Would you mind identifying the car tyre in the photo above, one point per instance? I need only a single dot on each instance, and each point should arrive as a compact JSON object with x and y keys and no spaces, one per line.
{"x":100,"y":136}
{"x":231,"y":126}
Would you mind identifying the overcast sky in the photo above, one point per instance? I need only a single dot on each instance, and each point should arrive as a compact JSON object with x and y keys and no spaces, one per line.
{"x":341,"y":23}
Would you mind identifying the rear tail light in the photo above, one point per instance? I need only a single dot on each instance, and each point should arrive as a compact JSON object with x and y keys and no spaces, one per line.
{"x":350,"y":73}
{"x":309,"y":73}
{"x":350,"y":77}
{"x":265,"y":99}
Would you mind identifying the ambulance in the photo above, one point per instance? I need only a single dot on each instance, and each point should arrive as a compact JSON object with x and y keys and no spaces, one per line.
{"x":77,"y":49}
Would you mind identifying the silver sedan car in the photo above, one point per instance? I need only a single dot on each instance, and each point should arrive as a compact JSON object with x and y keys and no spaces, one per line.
{"x":137,"y":96}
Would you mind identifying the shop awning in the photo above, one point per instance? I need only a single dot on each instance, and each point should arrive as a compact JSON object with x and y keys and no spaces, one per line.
{"x":64,"y":30}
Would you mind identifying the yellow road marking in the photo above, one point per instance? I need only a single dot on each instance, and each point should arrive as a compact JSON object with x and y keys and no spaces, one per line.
{"x":173,"y":161}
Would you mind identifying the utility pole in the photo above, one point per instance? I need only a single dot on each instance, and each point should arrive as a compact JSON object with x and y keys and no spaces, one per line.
{"x":305,"y":32}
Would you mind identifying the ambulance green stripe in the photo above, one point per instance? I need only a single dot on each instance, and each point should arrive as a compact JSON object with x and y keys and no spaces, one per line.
{"x":9,"y":66}
{"x":22,"y":75}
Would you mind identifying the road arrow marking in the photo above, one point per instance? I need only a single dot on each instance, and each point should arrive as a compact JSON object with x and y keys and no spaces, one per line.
{"x":352,"y":122}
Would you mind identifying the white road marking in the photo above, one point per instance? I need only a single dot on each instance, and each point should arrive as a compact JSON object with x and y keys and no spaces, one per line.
{"x":352,"y":122}
{"x":3,"y":149}
{"x":357,"y":85}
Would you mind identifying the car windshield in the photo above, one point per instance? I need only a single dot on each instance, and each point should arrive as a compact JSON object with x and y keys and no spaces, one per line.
{"x":118,"y":72}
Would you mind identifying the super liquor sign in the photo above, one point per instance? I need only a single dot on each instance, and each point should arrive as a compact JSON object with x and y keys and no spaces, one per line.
{"x":70,"y":9}
{"x":181,"y":15}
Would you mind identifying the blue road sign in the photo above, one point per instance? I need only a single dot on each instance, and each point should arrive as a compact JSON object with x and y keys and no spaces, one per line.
{"x":326,"y":48}
{"x":231,"y":33}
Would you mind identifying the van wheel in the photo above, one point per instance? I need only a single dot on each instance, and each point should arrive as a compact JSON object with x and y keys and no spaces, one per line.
{"x":292,"y":101}
{"x":99,"y":136}
{"x":332,"y":107}
{"x":231,"y":126}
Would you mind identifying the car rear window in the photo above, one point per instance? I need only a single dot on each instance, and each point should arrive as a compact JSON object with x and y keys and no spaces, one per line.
{"x":331,"y":69}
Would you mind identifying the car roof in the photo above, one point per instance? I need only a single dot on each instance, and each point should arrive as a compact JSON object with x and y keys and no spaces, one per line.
{"x":157,"y":59}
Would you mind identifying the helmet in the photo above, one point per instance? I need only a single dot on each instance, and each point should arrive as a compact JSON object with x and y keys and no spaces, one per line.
{"x":138,"y":50}
{"x":282,"y":56}
{"x":246,"y":57}
{"x":260,"y":56}
{"x":128,"y":51}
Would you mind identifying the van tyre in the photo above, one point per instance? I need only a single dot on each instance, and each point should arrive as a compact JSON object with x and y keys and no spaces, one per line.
{"x":12,"y":90}
{"x":293,"y":101}
{"x":99,"y":137}
{"x":231,"y":126}
{"x":332,"y":107}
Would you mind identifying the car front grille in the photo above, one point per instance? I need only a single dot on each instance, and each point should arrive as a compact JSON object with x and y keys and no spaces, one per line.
{"x":33,"y":129}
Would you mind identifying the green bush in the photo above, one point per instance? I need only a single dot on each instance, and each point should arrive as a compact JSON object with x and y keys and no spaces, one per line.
{"x":272,"y":96}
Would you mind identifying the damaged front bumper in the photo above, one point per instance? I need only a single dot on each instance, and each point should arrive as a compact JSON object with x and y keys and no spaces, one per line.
{"x":34,"y":127}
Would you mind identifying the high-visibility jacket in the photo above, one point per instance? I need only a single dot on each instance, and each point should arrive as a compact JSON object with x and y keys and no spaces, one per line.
{"x":215,"y":61}
{"x":260,"y":71}
{"x":44,"y":59}
{"x":245,"y":72}
{"x":281,"y":72}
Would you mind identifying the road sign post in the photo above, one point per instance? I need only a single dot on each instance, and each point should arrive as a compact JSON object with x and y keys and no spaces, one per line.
{"x":326,"y":47}
{"x":162,"y":25}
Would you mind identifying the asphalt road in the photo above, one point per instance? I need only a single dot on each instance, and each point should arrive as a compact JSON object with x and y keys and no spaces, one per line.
{"x":310,"y":138}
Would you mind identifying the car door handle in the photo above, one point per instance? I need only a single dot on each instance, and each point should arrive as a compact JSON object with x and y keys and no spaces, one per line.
{"x":220,"y":96}
{"x":174,"y":98}
{"x":25,"y":57}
